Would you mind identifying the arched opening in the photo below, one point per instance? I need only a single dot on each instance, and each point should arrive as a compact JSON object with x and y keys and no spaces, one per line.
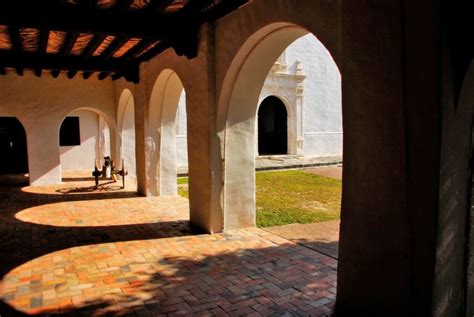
{"x":272,"y":127}
{"x":84,"y":140}
{"x":13,"y":149}
{"x":127,"y":132}
{"x":167,"y":134}
{"x":250,"y":77}
{"x":181,"y":135}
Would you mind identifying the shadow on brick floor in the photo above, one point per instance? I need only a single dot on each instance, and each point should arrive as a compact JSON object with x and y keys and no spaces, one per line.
{"x":176,"y":272}
{"x":285,"y":280}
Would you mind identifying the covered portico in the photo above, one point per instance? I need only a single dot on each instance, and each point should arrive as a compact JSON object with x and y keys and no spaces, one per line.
{"x":407,"y":77}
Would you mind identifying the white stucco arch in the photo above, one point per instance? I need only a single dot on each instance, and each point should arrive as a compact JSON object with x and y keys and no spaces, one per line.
{"x":289,"y":110}
{"x":126,"y":152}
{"x":236,"y":116}
{"x":110,"y":122}
{"x":163,"y":106}
{"x":105,"y":123}
{"x":126,"y":96}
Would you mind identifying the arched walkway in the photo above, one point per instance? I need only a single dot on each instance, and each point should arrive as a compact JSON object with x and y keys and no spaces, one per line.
{"x":272,"y":127}
{"x":127,"y":133}
{"x":164,"y":102}
{"x":237,"y":113}
{"x":13,"y":148}
{"x":86,"y":136}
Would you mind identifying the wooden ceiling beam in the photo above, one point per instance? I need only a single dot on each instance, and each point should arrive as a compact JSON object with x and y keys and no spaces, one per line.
{"x":179,"y":30}
{"x":93,"y":45}
{"x":117,"y":75}
{"x":88,"y":5}
{"x":42,"y":47}
{"x":146,"y":23}
{"x":71,"y":74}
{"x":222,"y":10}
{"x":122,"y":5}
{"x":103,"y":75}
{"x":42,"y":15}
{"x":55,"y":62}
{"x":157,"y":49}
{"x":68,"y":43}
{"x":137,"y":49}
{"x":158,"y":6}
{"x":87,"y":74}
{"x":14,"y":34}
{"x":55,"y":73}
{"x":113,"y":47}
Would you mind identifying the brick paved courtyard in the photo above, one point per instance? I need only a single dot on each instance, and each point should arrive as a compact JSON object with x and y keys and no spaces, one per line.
{"x":71,"y":250}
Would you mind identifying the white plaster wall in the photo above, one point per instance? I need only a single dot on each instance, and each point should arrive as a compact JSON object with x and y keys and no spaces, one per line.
{"x":41,"y":105}
{"x":181,"y":140}
{"x":322,"y":103}
{"x":128,"y":139}
{"x":82,"y":157}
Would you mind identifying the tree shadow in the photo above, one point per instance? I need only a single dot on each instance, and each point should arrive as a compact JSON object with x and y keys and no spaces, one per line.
{"x":269,"y":278}
{"x":280,"y":280}
{"x":22,"y":241}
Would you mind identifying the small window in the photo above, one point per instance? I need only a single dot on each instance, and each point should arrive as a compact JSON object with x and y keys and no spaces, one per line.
{"x":69,"y":134}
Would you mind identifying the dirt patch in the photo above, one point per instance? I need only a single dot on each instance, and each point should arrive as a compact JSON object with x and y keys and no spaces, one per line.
{"x":331,"y":172}
{"x":322,"y":237}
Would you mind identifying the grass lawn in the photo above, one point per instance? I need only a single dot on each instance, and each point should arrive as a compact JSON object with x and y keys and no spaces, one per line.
{"x":285,"y":197}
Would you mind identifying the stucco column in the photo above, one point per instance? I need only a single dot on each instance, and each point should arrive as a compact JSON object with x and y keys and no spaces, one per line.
{"x":205,"y":166}
{"x":406,"y":150}
{"x":100,"y":142}
{"x":43,"y":152}
{"x":141,"y":101}
{"x":167,"y":155}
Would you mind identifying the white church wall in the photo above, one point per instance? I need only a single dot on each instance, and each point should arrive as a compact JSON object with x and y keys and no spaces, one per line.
{"x":310,"y":85}
{"x":41,"y":105}
{"x":322,"y":104}
{"x":83,"y":156}
{"x":181,"y":140}
{"x":128,"y":138}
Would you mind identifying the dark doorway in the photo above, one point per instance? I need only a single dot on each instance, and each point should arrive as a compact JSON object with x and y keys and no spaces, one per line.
{"x":272,"y":127}
{"x":14,"y":157}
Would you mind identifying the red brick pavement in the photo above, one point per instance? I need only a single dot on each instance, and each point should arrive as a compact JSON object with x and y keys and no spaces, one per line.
{"x":111,"y":253}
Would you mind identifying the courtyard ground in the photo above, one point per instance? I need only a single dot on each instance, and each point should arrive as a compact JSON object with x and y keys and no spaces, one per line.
{"x":72,"y":250}
{"x":294,"y":196}
{"x":321,"y":236}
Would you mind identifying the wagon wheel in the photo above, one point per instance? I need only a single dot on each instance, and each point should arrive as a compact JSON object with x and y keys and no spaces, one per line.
{"x":96,"y":174}
{"x":122,"y":172}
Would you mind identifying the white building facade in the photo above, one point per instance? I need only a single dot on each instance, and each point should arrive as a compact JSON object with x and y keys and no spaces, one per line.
{"x":307,"y":81}
{"x":305,"y":78}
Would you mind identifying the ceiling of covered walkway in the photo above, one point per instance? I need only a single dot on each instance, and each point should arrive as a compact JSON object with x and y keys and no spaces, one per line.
{"x":103,"y":37}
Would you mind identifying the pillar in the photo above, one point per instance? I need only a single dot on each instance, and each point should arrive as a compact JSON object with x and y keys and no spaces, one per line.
{"x":43,"y":151}
{"x":406,"y":147}
{"x":141,"y":148}
{"x":205,"y":165}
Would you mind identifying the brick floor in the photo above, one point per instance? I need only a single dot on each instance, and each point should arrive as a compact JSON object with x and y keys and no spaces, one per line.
{"x":111,"y":253}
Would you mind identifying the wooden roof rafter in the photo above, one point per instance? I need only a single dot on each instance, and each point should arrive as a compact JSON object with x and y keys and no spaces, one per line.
{"x":42,"y":46}
{"x":90,"y":36}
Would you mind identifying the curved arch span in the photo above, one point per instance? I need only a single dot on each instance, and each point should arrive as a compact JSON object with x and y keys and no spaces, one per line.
{"x":161,"y":140}
{"x":237,"y":108}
